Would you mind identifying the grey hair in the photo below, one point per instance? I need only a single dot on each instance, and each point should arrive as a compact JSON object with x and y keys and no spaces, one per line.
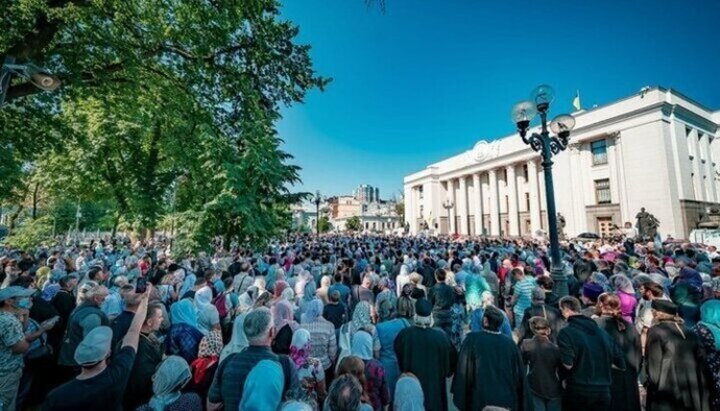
{"x":344,"y":394}
{"x":295,"y":405}
{"x":423,"y":322}
{"x":257,"y":325}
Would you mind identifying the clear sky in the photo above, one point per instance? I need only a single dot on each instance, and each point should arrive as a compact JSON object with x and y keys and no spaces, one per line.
{"x":429,"y":78}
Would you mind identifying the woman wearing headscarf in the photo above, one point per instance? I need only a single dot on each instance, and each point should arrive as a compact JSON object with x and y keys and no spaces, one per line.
{"x":308,"y":295}
{"x":246,"y":301}
{"x":624,"y":392}
{"x":626,"y":293}
{"x":402,"y":278}
{"x":388,"y":329}
{"x":309,"y":370}
{"x":407,"y":392}
{"x":238,"y":340}
{"x":170,"y":377}
{"x":207,"y":315}
{"x":688,"y":300}
{"x":204,"y":366}
{"x":375,"y":384}
{"x":322,"y":292}
{"x":708,"y":330}
{"x":285,"y":325}
{"x":691,"y":277}
{"x":263,"y":387}
{"x":322,"y":335}
{"x":184,"y":336}
{"x":362,"y":320}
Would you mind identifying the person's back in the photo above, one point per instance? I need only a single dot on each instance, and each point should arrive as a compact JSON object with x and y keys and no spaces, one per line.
{"x":588,"y":353}
{"x":101,"y":392}
{"x":83,"y":319}
{"x":543,"y":360}
{"x":336,"y":313}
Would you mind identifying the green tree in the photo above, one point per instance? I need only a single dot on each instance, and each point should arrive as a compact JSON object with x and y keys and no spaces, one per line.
{"x":325,"y":225}
{"x":353,"y":224}
{"x":166,"y":107}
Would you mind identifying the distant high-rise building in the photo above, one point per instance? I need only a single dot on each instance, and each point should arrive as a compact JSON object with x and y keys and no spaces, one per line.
{"x":367,"y":194}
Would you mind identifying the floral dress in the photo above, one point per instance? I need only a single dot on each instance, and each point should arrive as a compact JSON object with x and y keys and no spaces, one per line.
{"x":310,"y":375}
{"x":712,"y":362}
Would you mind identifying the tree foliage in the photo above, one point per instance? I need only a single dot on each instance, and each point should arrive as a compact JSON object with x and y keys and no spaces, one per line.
{"x":166,"y":108}
{"x":353,"y":224}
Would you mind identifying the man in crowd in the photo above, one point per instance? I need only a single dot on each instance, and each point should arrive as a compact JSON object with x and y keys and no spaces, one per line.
{"x":428,"y":354}
{"x":100,"y":386}
{"x":588,"y":353}
{"x":226,"y":389}
{"x":490,"y":370}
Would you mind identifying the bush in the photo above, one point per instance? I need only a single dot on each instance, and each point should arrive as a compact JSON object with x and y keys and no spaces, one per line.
{"x":31,"y":234}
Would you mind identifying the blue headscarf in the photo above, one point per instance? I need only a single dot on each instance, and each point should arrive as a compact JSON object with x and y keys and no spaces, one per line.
{"x":710,"y":318}
{"x":691,"y":277}
{"x":183,"y":312}
{"x":263,"y":387}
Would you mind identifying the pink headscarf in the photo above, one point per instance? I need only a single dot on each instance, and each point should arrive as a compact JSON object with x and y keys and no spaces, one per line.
{"x":283,"y":315}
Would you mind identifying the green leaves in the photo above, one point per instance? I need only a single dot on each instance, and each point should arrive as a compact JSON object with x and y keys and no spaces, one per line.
{"x":167,"y":109}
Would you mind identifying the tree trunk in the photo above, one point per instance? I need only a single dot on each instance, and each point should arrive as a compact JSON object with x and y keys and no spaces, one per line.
{"x":35,"y":201}
{"x":14,"y":216}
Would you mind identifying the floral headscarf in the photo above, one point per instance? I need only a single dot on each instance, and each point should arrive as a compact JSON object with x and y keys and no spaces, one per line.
{"x":300,"y":347}
{"x":361,"y":316}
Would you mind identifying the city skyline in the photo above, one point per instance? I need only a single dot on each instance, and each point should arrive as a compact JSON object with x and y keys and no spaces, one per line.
{"x":412,"y":103}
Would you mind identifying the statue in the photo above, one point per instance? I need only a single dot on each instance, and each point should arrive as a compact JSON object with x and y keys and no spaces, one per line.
{"x":561,"y":226}
{"x":647,"y":224}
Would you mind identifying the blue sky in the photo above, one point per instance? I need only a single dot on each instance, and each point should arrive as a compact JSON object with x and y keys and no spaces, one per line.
{"x":429,"y":78}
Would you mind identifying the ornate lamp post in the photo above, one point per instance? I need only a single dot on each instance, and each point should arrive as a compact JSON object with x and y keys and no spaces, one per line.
{"x":38,"y":76}
{"x":548,"y":146}
{"x":318,"y":199}
{"x":447,"y":205}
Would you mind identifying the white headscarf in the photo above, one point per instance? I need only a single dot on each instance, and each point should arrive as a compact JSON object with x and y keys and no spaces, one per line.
{"x":169,"y":378}
{"x":408,"y":394}
{"x":207,"y":314}
{"x":238,"y":341}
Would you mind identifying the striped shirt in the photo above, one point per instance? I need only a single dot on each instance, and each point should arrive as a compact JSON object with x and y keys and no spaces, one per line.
{"x":322,"y":341}
{"x":523,"y":291}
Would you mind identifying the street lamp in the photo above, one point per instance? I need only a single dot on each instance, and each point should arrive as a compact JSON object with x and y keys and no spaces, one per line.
{"x":447,"y":205}
{"x":39,"y":77}
{"x":317,"y":212}
{"x":548,"y":146}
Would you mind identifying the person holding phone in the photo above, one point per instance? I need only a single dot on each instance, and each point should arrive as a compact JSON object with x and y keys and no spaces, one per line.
{"x":15,"y":304}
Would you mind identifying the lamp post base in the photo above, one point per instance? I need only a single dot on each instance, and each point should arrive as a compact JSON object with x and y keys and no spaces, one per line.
{"x":560,"y":285}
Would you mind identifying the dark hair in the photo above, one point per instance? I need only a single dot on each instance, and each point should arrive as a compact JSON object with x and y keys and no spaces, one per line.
{"x":545,"y":281}
{"x":345,"y":393}
{"x":517,"y":271}
{"x":93,"y":272}
{"x":655,"y":289}
{"x":152,"y":307}
{"x":540,"y":326}
{"x":23,"y":281}
{"x":405,"y":307}
{"x":440,"y":275}
{"x":334,"y":296}
{"x":571,"y":303}
{"x":64,"y":281}
{"x":494,"y":317}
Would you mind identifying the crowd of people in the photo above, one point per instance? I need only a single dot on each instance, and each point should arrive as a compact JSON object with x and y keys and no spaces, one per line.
{"x":347,"y":323}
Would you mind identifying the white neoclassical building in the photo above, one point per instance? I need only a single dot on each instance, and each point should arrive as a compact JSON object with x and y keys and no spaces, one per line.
{"x":656,"y":149}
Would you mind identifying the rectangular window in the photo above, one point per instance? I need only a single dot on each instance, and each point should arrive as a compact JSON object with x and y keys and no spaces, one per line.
{"x":599,"y":152}
{"x":525,"y":172}
{"x":527,"y":201}
{"x":421,"y":211}
{"x":420,"y":190}
{"x":602,"y":191}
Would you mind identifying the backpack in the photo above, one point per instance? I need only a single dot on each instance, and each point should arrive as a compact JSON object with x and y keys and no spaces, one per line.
{"x":220,"y":302}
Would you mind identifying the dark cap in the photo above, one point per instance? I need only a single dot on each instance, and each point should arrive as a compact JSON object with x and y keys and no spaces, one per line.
{"x":423,"y":308}
{"x":592,"y":291}
{"x":664,"y":306}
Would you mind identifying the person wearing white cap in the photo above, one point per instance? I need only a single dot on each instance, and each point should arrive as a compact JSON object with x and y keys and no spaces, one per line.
{"x":14,"y":303}
{"x":100,"y":386}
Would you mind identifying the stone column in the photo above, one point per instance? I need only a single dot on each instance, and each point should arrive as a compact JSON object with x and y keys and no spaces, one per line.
{"x":463,"y":206}
{"x":494,"y":203}
{"x":708,"y":168}
{"x":513,"y":216}
{"x":478,"y":211}
{"x":534,"y":191}
{"x":451,"y":196}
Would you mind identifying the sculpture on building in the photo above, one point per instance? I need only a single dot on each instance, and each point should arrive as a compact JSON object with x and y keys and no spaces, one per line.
{"x":647,"y":224}
{"x":561,"y":226}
